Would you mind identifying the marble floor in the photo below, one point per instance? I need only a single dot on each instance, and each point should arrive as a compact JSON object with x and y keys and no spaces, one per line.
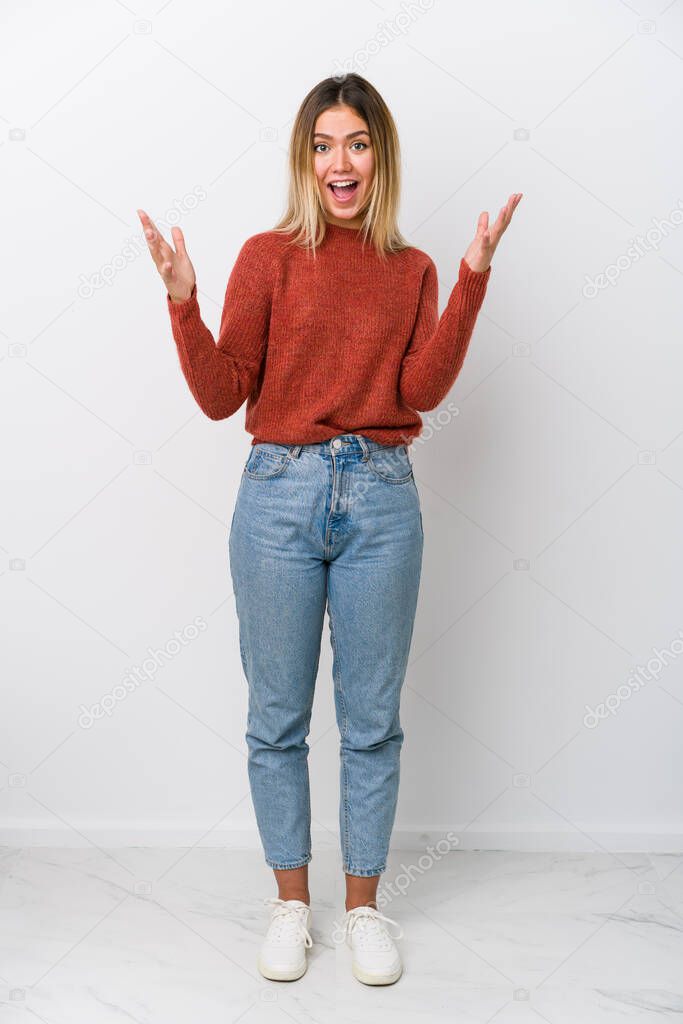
{"x":169,"y":936}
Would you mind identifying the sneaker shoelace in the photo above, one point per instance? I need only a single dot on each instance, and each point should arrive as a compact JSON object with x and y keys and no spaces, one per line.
{"x":368,"y":925}
{"x":287,"y":922}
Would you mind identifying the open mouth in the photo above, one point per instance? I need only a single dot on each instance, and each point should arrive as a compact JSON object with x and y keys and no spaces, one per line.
{"x":343,"y":190}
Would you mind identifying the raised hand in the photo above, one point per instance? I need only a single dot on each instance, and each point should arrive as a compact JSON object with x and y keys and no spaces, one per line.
{"x":482,"y":247}
{"x":174,"y":266}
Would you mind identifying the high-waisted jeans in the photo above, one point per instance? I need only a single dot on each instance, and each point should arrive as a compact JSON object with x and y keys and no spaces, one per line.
{"x":334,"y":524}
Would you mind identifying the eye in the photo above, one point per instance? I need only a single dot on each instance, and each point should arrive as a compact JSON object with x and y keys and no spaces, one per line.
{"x":317,"y":145}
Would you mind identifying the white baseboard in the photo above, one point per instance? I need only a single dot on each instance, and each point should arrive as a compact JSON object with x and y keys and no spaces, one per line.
{"x":112,"y":835}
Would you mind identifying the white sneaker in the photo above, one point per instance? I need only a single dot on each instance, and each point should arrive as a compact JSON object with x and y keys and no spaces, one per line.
{"x":375,"y":958}
{"x":282,"y":956}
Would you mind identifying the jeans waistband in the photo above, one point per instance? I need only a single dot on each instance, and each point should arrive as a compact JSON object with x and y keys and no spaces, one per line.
{"x":341,"y":444}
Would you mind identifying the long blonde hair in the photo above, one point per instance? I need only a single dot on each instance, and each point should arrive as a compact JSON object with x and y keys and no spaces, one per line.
{"x":305,"y":214}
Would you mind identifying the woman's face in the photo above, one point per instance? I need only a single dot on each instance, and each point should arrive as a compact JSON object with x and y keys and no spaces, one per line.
{"x":343,"y":152}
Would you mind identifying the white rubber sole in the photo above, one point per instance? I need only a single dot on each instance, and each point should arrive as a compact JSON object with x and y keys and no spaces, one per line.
{"x":376,"y":979}
{"x":282,"y":973}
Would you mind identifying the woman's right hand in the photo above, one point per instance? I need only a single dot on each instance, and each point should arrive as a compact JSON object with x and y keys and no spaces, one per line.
{"x":175,"y":267}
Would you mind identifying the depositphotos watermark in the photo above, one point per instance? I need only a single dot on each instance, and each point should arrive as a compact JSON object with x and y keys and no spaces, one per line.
{"x":141,"y":673}
{"x":137,"y":244}
{"x":387,"y":33}
{"x":637,"y":679}
{"x":401,"y":882}
{"x":433,"y":424}
{"x":639,"y":246}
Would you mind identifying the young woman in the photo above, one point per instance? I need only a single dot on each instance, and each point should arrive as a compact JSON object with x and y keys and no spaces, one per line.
{"x":330,"y":331}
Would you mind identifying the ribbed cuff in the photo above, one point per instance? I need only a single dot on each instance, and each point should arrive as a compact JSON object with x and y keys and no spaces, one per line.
{"x":472,"y":284}
{"x":180,"y":311}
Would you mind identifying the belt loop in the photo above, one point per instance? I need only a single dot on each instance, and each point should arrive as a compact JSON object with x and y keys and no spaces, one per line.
{"x":294,"y":451}
{"x":362,"y":442}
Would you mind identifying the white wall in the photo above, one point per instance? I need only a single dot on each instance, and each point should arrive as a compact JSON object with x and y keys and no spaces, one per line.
{"x":551,"y":481}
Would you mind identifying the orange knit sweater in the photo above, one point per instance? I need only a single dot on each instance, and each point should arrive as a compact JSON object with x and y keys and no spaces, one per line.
{"x":342,"y":343}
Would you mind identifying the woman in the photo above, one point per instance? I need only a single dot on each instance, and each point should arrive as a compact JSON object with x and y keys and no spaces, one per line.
{"x":330,"y":331}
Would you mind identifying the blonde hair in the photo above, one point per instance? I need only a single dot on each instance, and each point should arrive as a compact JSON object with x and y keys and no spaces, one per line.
{"x":305,"y":214}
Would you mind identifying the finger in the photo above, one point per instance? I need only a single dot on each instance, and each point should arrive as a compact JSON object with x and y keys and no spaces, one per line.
{"x":503,"y":219}
{"x":498,"y":228}
{"x":179,"y":241}
{"x":147,"y":223}
{"x":151,"y":231}
{"x":482,"y":223}
{"x":505,"y":215}
{"x":513,"y":202}
{"x":158,"y":246}
{"x":511,"y":207}
{"x":152,"y":235}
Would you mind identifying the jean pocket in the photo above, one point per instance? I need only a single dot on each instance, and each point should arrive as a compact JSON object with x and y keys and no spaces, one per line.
{"x":391,"y":464}
{"x":266,"y":461}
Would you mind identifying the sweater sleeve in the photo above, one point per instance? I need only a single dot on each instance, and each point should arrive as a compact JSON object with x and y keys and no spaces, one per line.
{"x":438,"y":346}
{"x":221,"y":375}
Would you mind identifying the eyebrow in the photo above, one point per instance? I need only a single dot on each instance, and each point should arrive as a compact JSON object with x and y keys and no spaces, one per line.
{"x":351,"y":135}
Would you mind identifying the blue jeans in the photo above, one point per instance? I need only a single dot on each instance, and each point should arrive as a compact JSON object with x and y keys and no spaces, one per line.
{"x":337,"y":524}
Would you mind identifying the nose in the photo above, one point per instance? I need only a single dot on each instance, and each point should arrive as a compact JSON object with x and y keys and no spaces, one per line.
{"x":342,"y":162}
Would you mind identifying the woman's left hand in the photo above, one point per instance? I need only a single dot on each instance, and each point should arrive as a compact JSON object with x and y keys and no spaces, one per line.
{"x":483,"y":245}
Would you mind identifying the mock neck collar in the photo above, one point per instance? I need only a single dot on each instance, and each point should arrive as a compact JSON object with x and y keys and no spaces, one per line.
{"x":338,"y":235}
{"x":338,"y":229}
